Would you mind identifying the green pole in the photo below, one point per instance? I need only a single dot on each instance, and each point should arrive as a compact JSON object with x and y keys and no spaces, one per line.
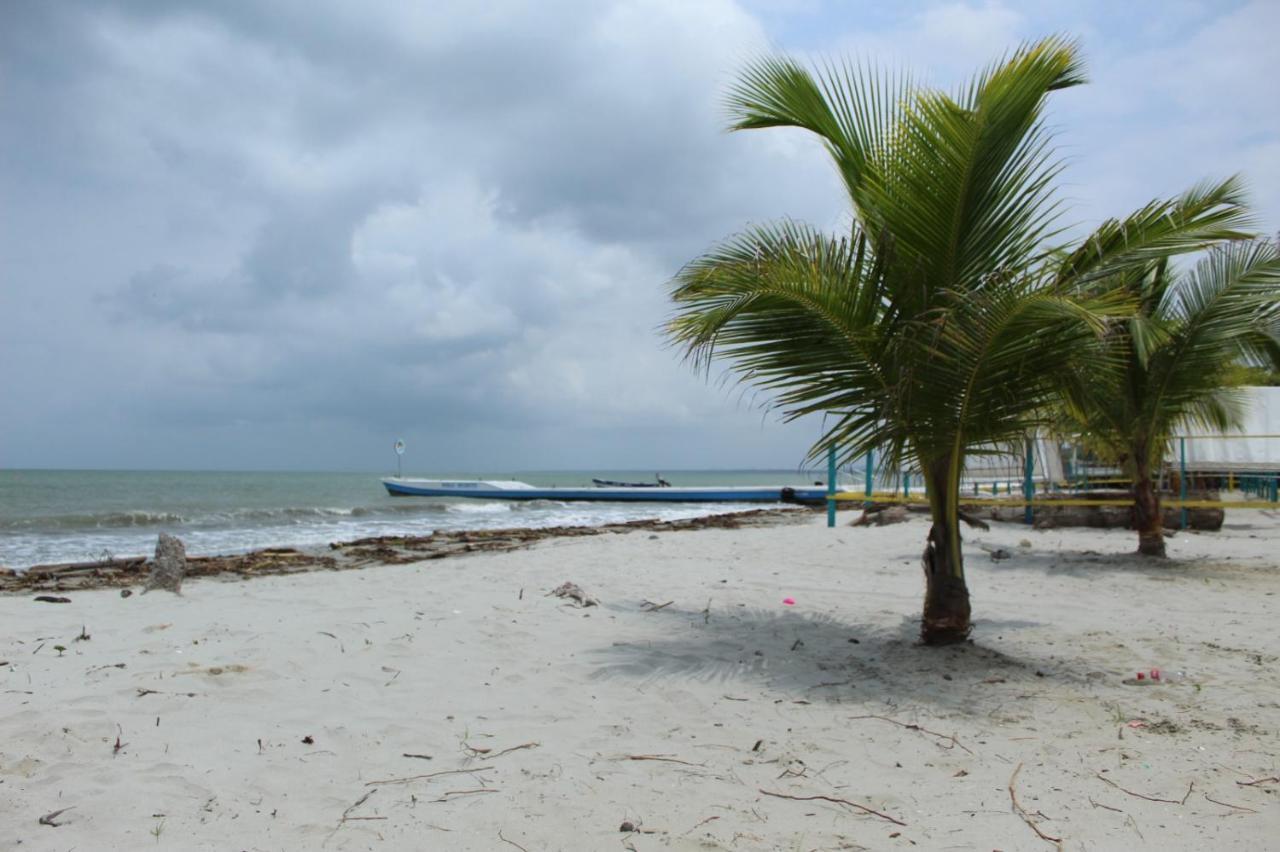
{"x":870,"y":476}
{"x":1028,"y":483}
{"x":831,"y":486}
{"x":1182,"y":452}
{"x":906,"y":485}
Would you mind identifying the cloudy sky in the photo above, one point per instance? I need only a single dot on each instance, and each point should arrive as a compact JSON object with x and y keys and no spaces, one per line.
{"x":237,"y":235}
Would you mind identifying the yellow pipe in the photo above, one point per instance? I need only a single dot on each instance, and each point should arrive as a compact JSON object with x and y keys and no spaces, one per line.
{"x":849,"y":496}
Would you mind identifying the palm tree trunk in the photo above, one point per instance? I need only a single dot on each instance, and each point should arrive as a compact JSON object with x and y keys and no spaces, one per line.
{"x":946,"y":596}
{"x":1148,"y":517}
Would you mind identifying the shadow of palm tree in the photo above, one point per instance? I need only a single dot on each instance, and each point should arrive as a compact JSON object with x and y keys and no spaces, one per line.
{"x":818,"y":657}
{"x":1088,"y":564}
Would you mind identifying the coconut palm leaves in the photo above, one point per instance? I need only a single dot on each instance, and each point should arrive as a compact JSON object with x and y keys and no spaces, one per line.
{"x":939,"y":325}
{"x":1173,"y":361}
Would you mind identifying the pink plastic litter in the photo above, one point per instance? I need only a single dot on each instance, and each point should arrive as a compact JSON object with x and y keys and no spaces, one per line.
{"x":789,"y":601}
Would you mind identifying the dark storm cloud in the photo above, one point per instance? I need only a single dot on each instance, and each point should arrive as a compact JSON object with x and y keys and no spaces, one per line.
{"x":254,"y":233}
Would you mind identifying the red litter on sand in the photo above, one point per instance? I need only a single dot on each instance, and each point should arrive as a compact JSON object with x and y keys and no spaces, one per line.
{"x":792,"y":602}
{"x":1155,"y":674}
{"x":1142,"y":675}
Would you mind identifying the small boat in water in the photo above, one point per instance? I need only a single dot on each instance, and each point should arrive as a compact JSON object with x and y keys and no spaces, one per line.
{"x":506,"y":489}
{"x":609,"y":483}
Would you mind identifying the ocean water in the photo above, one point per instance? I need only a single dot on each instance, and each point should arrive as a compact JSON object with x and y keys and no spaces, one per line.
{"x":70,"y":516}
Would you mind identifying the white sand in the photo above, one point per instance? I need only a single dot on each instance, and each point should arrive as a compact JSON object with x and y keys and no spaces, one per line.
{"x":442,"y":656}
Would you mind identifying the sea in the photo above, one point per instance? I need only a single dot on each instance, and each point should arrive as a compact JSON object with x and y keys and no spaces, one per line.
{"x":53,"y":516}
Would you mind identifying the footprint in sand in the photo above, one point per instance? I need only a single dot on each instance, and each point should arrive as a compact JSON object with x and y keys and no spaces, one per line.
{"x":230,"y":668}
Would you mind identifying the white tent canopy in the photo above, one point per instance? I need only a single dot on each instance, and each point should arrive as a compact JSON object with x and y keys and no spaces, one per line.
{"x":998,"y":464}
{"x":1253,"y":449}
{"x":1010,"y":463}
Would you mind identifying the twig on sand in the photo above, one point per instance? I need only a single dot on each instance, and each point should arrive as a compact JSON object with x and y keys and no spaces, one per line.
{"x":854,"y":805}
{"x":419,"y":756}
{"x":512,"y":842}
{"x":1022,"y":812}
{"x":1228,"y":804}
{"x":514,"y":748}
{"x":1104,"y":807}
{"x":346,"y":815}
{"x":704,"y":822}
{"x":910,"y":726}
{"x":650,"y":606}
{"x":50,"y":819}
{"x":1181,"y":801}
{"x":448,"y":793}
{"x":663,"y":758}
{"x":412,"y":778}
{"x":1255,"y":782}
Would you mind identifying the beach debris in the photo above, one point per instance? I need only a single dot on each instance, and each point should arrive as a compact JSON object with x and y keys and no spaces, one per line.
{"x":60,"y":649}
{"x":346,"y":815}
{"x":650,"y":606}
{"x":573,"y":592}
{"x":1146,"y":678}
{"x":1182,"y":801}
{"x":491,"y":754}
{"x":996,"y":553}
{"x":627,"y":826}
{"x":412,"y":778}
{"x":52,"y":599}
{"x":308,"y":740}
{"x":419,"y":756}
{"x":169,"y":566}
{"x":881,"y":516}
{"x":447,"y":793}
{"x":84,"y":635}
{"x":661,"y":757}
{"x":1024,"y":543}
{"x":1026,"y":817}
{"x":126,"y":593}
{"x":911,"y":726}
{"x":512,"y":842}
{"x":788,"y":601}
{"x":863,"y":808}
{"x":50,"y":819}
{"x":352,"y":555}
{"x":1272,"y":779}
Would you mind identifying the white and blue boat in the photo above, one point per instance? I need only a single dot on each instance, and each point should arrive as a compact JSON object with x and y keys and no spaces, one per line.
{"x":506,"y":489}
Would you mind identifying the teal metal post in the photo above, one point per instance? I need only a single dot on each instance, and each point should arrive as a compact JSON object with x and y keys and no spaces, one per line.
{"x":1028,"y":483}
{"x":1182,"y":479}
{"x":906,"y":485}
{"x":831,"y":486}
{"x":870,"y":477}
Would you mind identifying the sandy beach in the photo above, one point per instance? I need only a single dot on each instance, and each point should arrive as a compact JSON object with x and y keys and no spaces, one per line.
{"x":453,"y":704}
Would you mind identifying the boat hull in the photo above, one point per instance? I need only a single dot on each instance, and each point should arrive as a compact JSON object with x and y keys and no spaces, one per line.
{"x":477,"y":490}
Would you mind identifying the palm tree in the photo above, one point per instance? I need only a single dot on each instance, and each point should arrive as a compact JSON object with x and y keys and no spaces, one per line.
{"x":1173,"y":363}
{"x":937,"y":327}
